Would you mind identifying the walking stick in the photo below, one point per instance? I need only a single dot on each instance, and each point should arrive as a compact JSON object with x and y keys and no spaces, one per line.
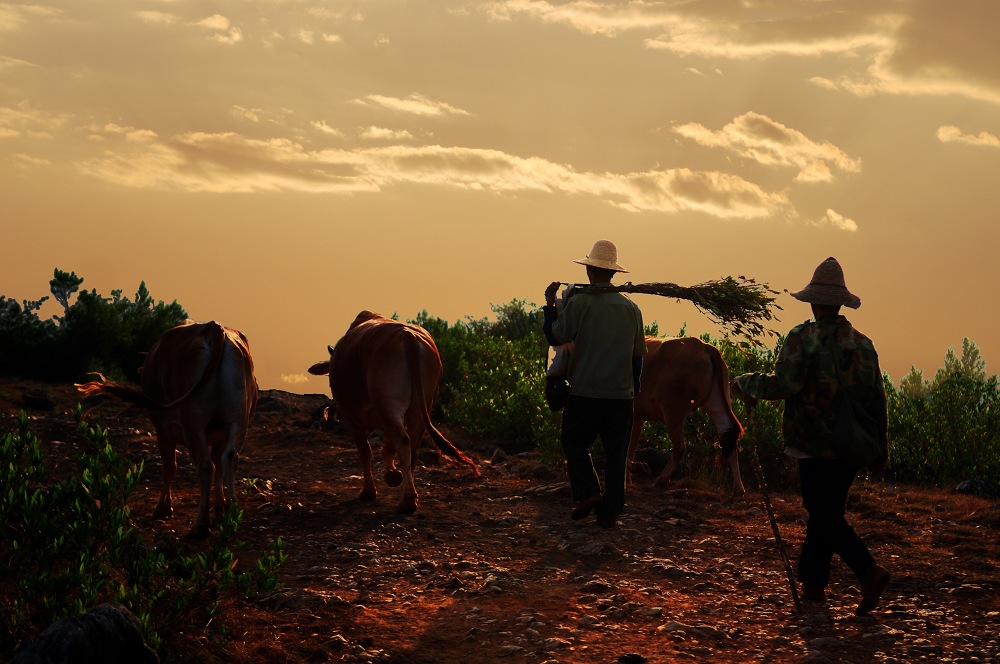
{"x":762,"y":483}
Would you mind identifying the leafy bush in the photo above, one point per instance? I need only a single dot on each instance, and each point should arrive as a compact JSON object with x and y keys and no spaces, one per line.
{"x":94,"y":334}
{"x":947,"y":430}
{"x":68,"y":544}
{"x":494,"y":373}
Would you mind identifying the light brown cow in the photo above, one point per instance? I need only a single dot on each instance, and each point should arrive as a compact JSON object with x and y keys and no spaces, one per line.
{"x":679,"y":376}
{"x":384,"y":375}
{"x":199,"y":389}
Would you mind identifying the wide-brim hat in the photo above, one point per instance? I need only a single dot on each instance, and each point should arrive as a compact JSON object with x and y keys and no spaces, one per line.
{"x":604,"y":254}
{"x":828,"y":287}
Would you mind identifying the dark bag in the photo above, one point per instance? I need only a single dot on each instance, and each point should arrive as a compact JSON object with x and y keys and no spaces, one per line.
{"x":855,"y":438}
{"x":556,"y":391}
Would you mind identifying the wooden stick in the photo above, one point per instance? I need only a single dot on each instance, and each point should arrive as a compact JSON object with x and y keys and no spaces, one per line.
{"x":762,"y":483}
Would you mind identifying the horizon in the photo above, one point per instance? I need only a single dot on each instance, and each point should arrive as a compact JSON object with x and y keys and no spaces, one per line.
{"x":279,"y":167}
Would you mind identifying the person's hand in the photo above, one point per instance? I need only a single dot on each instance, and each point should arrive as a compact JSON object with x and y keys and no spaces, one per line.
{"x":737,"y":389}
{"x":550,"y":293}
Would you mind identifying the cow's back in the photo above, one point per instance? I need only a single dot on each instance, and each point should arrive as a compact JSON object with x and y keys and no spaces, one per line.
{"x":209,"y":362}
{"x":382,"y":359}
{"x":676,"y":373}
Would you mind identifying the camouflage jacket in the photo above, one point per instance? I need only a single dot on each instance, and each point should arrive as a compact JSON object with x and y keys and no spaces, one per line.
{"x":806,"y":377}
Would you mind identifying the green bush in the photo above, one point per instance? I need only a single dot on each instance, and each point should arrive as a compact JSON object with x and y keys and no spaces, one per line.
{"x":947,"y":430}
{"x":94,"y":333}
{"x":494,"y":373}
{"x":68,"y":544}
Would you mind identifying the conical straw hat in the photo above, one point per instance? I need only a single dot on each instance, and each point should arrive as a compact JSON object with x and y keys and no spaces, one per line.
{"x":828,"y":287}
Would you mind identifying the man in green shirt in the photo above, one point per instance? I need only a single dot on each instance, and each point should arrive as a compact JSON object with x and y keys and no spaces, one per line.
{"x":819,"y":359}
{"x":609,"y":342}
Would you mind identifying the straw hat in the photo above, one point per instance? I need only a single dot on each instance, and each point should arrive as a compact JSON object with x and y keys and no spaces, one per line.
{"x":828,"y":287}
{"x":604,"y":254}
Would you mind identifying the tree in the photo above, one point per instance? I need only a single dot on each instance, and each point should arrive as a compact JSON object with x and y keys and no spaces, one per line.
{"x":63,"y":285}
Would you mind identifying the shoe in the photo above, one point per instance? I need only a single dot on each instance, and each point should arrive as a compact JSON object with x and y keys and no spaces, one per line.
{"x":813,"y":594}
{"x":873,"y":583}
{"x":606,"y":523}
{"x":585,"y":507}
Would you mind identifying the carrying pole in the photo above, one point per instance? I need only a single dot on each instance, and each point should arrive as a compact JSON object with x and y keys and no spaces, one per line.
{"x":762,"y":483}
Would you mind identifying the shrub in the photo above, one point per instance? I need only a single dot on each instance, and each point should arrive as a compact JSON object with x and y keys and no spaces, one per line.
{"x":94,"y":334}
{"x":68,"y":544}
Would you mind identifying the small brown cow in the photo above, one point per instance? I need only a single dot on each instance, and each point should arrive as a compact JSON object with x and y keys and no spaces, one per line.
{"x":384,"y":375}
{"x":679,"y":376}
{"x":199,"y":389}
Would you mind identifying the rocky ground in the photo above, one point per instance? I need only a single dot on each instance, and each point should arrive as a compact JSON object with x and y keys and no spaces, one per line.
{"x":493,"y":570}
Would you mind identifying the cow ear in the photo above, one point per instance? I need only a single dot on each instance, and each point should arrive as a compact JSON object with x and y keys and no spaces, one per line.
{"x":330,"y":348}
{"x":320,"y":368}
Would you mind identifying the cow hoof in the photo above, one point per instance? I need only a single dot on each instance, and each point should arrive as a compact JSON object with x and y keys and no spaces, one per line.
{"x":408,"y":505}
{"x":393,"y":477}
{"x":199,"y":532}
{"x":368,"y":495}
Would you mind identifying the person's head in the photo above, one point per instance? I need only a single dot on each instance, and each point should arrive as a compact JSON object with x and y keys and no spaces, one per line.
{"x":827,"y":290}
{"x":602,"y":262}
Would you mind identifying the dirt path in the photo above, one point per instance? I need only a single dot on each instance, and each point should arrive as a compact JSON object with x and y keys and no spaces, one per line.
{"x":493,"y":570}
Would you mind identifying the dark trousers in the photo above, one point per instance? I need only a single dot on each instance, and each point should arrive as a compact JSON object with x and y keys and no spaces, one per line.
{"x":584,"y":419}
{"x":825,"y":484}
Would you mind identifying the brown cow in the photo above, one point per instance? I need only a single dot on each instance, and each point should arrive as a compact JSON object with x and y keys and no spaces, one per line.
{"x":384,"y":375}
{"x":679,"y":376}
{"x":199,"y":389}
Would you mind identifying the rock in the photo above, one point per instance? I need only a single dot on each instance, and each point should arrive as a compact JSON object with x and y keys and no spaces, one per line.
{"x":978,"y":487}
{"x":107,"y":634}
{"x":38,"y":399}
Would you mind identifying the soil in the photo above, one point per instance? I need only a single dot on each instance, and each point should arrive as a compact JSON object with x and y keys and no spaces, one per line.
{"x":494,"y":570}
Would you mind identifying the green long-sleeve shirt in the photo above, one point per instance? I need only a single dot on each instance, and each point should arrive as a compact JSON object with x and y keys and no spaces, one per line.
{"x":806,"y":377}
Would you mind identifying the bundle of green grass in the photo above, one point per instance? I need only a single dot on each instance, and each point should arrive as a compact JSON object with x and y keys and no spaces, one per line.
{"x":739,"y":305}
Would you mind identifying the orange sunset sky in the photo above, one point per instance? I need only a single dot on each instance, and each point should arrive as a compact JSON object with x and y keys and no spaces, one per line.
{"x":280,"y":165}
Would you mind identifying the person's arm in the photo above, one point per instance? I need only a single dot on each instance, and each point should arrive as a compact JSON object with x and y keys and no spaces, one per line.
{"x":787,"y":379}
{"x":636,"y":373}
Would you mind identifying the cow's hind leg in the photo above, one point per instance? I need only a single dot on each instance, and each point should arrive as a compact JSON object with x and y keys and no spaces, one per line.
{"x":675,"y":431}
{"x":398,"y":438}
{"x":167,"y":438}
{"x":631,"y":466}
{"x":368,"y":492}
{"x":202,"y":458}
{"x":393,"y":476}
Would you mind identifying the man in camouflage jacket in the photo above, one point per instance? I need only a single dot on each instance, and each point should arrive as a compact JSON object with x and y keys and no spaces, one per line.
{"x":817,"y":358}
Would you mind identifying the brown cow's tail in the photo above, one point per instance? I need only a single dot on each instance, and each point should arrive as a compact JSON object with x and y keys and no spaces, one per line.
{"x":137,"y":398}
{"x":444,"y":445}
{"x":447,"y":448}
{"x":128,"y":394}
{"x":728,"y":438}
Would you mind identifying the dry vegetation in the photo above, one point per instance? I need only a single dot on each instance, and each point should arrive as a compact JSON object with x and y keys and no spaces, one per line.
{"x":493,"y":570}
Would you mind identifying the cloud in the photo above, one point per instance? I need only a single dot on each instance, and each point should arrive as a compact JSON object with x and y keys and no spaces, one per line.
{"x":923,"y":47}
{"x":763,"y":140}
{"x":229,"y":162}
{"x":24,"y":120}
{"x":294,"y":379}
{"x":224,"y":33}
{"x":326,"y":129}
{"x":7,"y":62}
{"x":14,"y":16}
{"x":838,"y":221}
{"x":383,"y":134}
{"x":150,"y":16}
{"x":951,"y":134}
{"x":415,"y":104}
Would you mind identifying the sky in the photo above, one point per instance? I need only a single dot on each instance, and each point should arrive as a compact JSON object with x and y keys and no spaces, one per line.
{"x":281,"y":165}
